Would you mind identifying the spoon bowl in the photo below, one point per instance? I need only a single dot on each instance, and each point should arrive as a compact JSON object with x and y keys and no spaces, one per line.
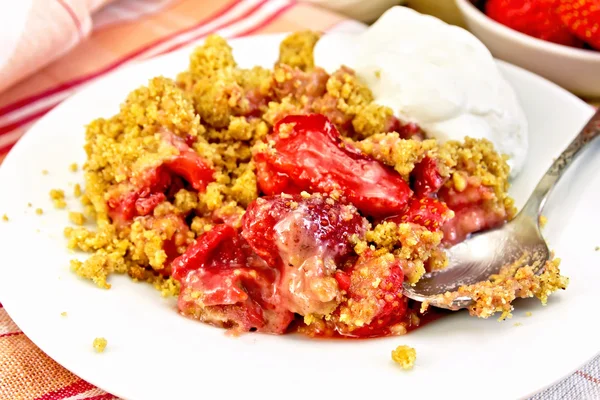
{"x":485,"y":254}
{"x":481,"y":256}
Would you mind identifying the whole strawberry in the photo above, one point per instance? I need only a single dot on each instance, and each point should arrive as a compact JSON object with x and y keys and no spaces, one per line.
{"x":582,"y":18}
{"x":537,"y":18}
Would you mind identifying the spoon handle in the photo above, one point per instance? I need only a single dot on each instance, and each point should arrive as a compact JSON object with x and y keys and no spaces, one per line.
{"x":536,"y":201}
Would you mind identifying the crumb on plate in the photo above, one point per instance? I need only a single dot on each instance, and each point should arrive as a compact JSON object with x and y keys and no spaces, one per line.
{"x":543,"y":221}
{"x":77,"y":218}
{"x":99,"y":344}
{"x":63,"y":314}
{"x":77,"y":190}
{"x":58,"y":198}
{"x":39,"y":211}
{"x":74,"y":167}
{"x":404,"y":356}
{"x":5,"y":218}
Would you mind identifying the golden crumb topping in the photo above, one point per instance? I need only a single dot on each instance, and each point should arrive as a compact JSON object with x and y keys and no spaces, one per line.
{"x":58,"y":198}
{"x":296,"y":50}
{"x":416,"y":246}
{"x":99,"y":344}
{"x":476,"y":160}
{"x":404,"y":356}
{"x":402,"y":154}
{"x":371,"y":119}
{"x":77,"y":218}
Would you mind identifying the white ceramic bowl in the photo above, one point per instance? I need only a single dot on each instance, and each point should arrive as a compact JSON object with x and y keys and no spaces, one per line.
{"x":576,"y":70}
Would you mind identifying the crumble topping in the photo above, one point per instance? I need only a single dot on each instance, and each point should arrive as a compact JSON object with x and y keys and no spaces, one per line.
{"x":99,"y":344}
{"x":401,"y":154}
{"x":404,"y":356}
{"x":513,"y":281}
{"x":58,"y":198}
{"x":416,"y":246}
{"x":296,"y":50}
{"x":77,"y":218}
{"x":224,"y":114}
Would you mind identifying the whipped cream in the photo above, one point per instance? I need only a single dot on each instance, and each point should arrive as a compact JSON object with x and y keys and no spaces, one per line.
{"x":436,"y":75}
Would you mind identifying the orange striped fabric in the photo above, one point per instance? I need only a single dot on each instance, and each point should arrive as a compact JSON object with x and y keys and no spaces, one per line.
{"x":122,"y":32}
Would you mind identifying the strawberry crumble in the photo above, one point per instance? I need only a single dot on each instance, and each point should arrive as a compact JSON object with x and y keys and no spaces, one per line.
{"x":277,"y":199}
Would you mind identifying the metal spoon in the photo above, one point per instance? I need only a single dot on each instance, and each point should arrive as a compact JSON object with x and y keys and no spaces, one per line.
{"x":482,"y":255}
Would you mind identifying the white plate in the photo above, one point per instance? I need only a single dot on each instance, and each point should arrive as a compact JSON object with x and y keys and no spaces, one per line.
{"x":153,"y":353}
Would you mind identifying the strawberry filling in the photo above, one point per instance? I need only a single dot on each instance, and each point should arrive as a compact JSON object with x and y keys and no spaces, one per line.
{"x":142,"y":195}
{"x":294,"y":252}
{"x":310,"y":155}
{"x":224,"y":282}
{"x":282,"y":262}
{"x":472,"y":210}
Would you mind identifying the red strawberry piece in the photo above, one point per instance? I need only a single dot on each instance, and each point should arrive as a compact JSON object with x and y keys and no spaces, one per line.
{"x":193,"y":168}
{"x":343,"y":280}
{"x":148,"y":190}
{"x":223,"y":282}
{"x":375,"y":302}
{"x":472,"y":211}
{"x":471,"y":219}
{"x":142,"y":198}
{"x":145,"y":205}
{"x":200,"y":251}
{"x":306,"y":239}
{"x":283,"y":227}
{"x":188,"y":164}
{"x":408,"y":130}
{"x":427,"y":212}
{"x":271,"y":181}
{"x":309,"y":151}
{"x":425,"y":177}
{"x":582,"y":17}
{"x":537,"y":18}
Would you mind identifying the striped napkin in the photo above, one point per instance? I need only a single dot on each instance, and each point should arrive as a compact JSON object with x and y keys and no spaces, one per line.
{"x":81,"y":40}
